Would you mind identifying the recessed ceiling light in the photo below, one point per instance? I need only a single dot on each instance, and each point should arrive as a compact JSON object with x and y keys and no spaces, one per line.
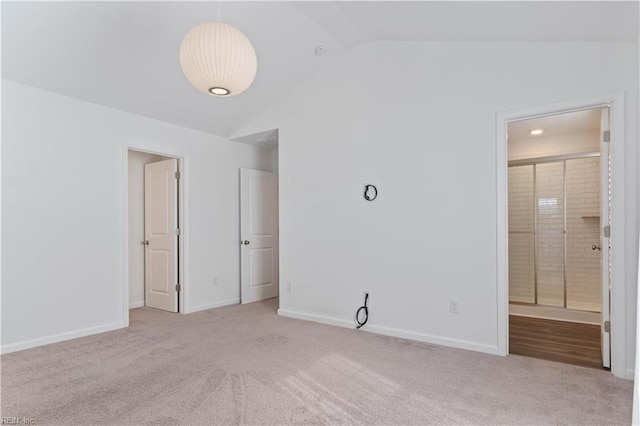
{"x":219,"y":91}
{"x":536,"y":132}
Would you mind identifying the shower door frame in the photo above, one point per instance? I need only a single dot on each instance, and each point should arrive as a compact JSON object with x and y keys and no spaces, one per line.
{"x":616,"y":103}
{"x":562,"y":158}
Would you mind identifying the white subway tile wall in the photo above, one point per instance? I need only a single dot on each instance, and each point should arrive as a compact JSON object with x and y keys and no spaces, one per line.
{"x":584,"y":265}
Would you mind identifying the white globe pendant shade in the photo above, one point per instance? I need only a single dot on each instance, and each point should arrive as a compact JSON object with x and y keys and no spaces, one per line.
{"x":218,"y":59}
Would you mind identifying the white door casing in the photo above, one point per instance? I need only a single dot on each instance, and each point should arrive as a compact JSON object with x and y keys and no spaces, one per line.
{"x":618,"y":297}
{"x":258,"y":235}
{"x":161,"y":239}
{"x":605,"y":242}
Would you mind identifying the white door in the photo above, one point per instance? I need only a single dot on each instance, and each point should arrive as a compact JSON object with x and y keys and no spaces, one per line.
{"x":160,"y":234}
{"x":605,"y":203}
{"x":258,"y":235}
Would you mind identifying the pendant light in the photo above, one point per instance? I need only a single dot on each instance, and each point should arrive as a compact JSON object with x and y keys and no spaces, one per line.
{"x":218,"y":59}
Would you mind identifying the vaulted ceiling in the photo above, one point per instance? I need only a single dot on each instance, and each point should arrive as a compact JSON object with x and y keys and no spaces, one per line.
{"x":125,"y":54}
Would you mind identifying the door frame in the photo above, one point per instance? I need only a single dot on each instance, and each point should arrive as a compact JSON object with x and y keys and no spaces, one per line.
{"x":618,"y":283}
{"x":183,"y":224}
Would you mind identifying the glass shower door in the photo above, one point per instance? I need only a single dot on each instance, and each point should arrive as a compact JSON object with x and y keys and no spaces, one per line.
{"x":549,"y":233}
{"x":521,"y":235}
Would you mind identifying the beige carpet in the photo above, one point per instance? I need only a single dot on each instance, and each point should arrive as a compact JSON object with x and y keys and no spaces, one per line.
{"x":244,"y":364}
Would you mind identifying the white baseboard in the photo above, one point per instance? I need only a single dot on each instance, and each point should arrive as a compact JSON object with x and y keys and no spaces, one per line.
{"x":133,"y":305}
{"x":395,"y":332}
{"x":630,"y":374}
{"x":206,"y":306}
{"x":27,"y":344}
{"x":316,"y":318}
{"x":436,"y":340}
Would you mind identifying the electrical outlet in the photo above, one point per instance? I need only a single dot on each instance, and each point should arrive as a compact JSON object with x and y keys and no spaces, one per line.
{"x":216,"y":280}
{"x":454,"y":306}
{"x":289,"y":287}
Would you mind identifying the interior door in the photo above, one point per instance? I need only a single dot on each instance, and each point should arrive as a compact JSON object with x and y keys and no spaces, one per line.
{"x":605,"y":241}
{"x":161,"y":235}
{"x":258,"y":235}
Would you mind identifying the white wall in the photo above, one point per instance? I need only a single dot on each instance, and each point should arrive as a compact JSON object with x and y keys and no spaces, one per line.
{"x":418,"y":120}
{"x":136,"y":162}
{"x":64,"y":196}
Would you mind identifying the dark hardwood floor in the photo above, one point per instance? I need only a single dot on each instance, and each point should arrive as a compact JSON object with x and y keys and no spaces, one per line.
{"x":562,"y":341}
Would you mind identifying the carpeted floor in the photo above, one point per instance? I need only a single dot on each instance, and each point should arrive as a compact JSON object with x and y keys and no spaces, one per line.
{"x":245,"y":364}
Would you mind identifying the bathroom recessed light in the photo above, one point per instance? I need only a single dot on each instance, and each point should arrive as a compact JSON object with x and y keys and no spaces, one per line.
{"x":536,"y":132}
{"x":219,"y":91}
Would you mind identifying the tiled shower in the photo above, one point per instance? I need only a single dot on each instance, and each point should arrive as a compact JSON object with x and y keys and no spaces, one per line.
{"x":554,"y":232}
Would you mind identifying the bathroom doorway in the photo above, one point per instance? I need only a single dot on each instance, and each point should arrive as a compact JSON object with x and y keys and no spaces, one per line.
{"x":558,"y":247}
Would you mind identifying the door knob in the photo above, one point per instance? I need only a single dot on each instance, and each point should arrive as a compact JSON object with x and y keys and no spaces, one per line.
{"x":596,"y":247}
{"x":245,"y":242}
{"x":145,"y":242}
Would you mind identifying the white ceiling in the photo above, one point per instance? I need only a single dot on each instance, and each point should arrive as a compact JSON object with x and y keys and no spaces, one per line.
{"x":556,"y":125}
{"x":125,"y":54}
{"x":478,"y":20}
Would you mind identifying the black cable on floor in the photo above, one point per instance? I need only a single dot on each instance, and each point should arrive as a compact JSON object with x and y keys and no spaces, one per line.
{"x":366,"y":312}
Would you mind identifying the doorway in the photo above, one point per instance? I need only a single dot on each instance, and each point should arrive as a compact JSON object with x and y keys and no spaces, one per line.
{"x":154,"y":212}
{"x":558,"y":246}
{"x":259,"y":236}
{"x":259,"y":222}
